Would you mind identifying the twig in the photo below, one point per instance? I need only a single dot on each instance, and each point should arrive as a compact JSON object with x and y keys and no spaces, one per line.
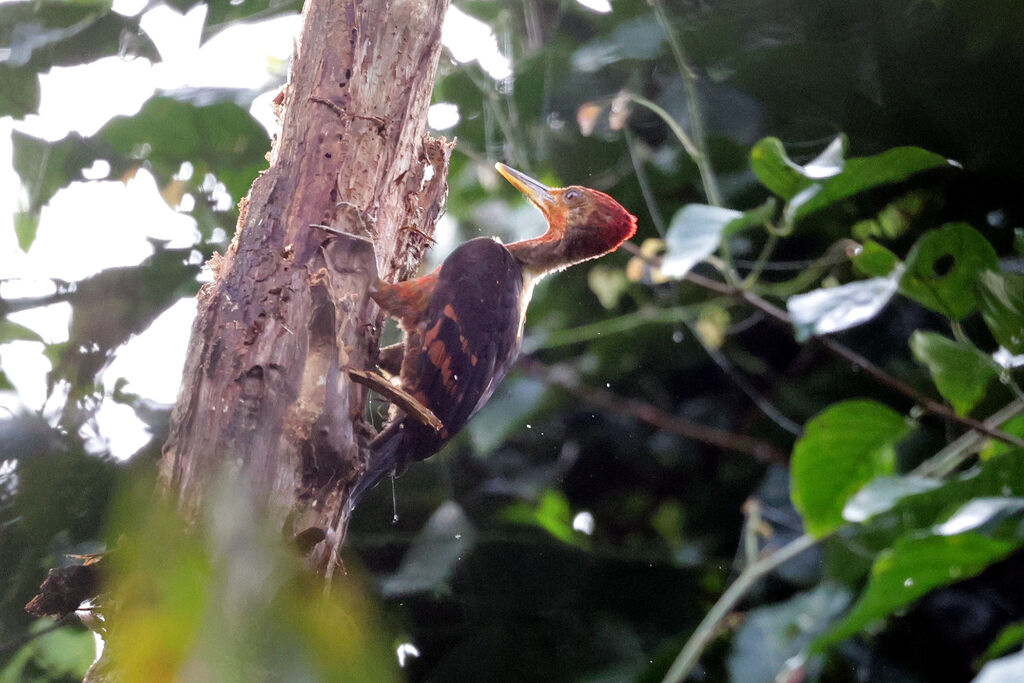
{"x":617,"y":325}
{"x":17,"y":642}
{"x":689,"y":76}
{"x":567,"y":379}
{"x":763,"y":404}
{"x":928,"y":404}
{"x":645,"y":187}
{"x":707,"y":629}
{"x":922,"y":400}
{"x":950,"y":457}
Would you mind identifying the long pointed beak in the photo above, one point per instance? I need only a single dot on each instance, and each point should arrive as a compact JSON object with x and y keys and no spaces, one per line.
{"x":536,"y":191}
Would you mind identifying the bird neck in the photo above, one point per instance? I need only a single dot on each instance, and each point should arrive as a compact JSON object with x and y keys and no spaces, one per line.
{"x":542,"y":255}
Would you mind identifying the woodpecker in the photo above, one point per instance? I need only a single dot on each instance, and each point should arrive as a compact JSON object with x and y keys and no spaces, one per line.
{"x":463,"y":322}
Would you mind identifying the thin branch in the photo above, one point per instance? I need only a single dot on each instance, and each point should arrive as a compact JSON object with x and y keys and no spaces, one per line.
{"x":762,"y":403}
{"x":689,"y":76}
{"x":950,"y":457}
{"x":623,"y":323}
{"x":566,"y":378}
{"x":708,"y":628}
{"x":925,"y":402}
{"x":17,"y":642}
{"x":922,"y":400}
{"x":645,"y":187}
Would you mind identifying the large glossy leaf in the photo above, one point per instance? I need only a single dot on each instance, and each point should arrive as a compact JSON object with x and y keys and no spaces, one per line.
{"x":438,"y":548}
{"x":638,"y":38}
{"x":786,"y":178}
{"x":943,"y":267}
{"x":913,"y":567}
{"x":832,"y":309}
{"x":46,"y":167}
{"x":1002,"y":306}
{"x":883,"y":493}
{"x":960,"y":371}
{"x":864,"y":173}
{"x":515,"y":400}
{"x":11,"y":331}
{"x":842,"y":449}
{"x":828,"y":178}
{"x":1009,"y":669}
{"x":222,"y":138}
{"x":41,"y":35}
{"x":772,"y":634}
{"x":697,"y":230}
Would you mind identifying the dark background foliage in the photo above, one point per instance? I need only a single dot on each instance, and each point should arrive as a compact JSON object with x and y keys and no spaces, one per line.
{"x":474,"y":557}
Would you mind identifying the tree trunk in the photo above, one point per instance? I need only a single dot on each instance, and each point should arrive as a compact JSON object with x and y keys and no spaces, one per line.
{"x":265,"y":392}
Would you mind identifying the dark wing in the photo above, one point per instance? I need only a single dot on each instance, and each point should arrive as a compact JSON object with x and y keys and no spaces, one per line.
{"x":470,"y":340}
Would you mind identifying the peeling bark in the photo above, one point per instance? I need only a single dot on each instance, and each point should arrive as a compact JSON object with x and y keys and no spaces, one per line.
{"x":265,"y":390}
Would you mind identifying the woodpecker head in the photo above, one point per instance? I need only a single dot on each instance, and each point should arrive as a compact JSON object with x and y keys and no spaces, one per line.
{"x":582,"y":223}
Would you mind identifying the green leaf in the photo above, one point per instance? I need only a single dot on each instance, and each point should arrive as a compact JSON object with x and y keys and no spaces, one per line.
{"x":864,"y":173}
{"x":20,"y":94}
{"x":881,"y":494}
{"x":26,"y":224}
{"x":875,"y":260}
{"x":943,"y":267}
{"x":776,"y":171}
{"x":65,"y":653}
{"x":638,"y":38}
{"x":41,"y":35}
{"x":45,"y":167}
{"x":992,"y":449}
{"x":1010,"y":638}
{"x":11,"y":331}
{"x":913,"y":567}
{"x":842,"y":449}
{"x":772,"y":634}
{"x":1002,"y":307}
{"x":960,"y":371}
{"x":828,"y":179}
{"x":697,"y":230}
{"x":980,"y":513}
{"x":832,"y":309}
{"x":894,"y":219}
{"x":447,"y":537}
{"x":553,"y":514}
{"x":512,"y":405}
{"x":221,"y":137}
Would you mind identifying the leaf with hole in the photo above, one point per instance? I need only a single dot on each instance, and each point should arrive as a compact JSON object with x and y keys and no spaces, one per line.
{"x":943,"y":267}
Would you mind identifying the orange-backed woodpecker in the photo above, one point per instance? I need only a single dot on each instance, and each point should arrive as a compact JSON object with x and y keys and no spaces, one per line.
{"x":464,"y":321}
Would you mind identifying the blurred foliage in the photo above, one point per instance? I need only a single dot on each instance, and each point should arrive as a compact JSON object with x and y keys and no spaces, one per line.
{"x":866,"y":155}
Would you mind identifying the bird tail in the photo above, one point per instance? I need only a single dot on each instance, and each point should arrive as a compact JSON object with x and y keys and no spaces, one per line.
{"x":384,"y":459}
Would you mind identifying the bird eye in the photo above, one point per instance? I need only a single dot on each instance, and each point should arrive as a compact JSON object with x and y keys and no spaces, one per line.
{"x":572,"y":194}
